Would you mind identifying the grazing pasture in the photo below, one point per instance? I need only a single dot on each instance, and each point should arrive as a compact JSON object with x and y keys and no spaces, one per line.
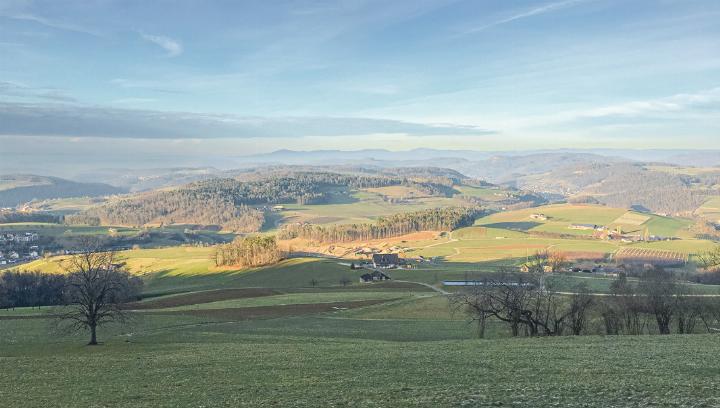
{"x":561,"y":216}
{"x":631,"y":218}
{"x":292,"y":335}
{"x":711,"y":209}
{"x":361,"y":207}
{"x":170,"y":360}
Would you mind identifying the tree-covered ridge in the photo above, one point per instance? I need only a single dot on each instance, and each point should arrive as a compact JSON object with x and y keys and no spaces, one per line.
{"x":626,"y":185}
{"x":235,"y":204}
{"x":438,"y":219}
{"x":18,"y":216}
{"x":183,"y":206}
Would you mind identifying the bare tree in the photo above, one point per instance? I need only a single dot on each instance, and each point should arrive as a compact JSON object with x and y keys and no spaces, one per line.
{"x":610,"y":317}
{"x":629,"y":307}
{"x":660,"y":289}
{"x":97,"y":288}
{"x":520,"y":300}
{"x":557,"y":261}
{"x":580,"y":303}
{"x":345,"y":281}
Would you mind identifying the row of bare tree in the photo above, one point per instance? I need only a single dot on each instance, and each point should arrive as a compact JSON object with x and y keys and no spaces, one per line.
{"x":532,"y":305}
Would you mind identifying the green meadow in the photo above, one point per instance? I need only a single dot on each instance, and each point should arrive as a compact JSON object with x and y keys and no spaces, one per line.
{"x":360,"y":207}
{"x":305,"y":332}
{"x":360,"y":345}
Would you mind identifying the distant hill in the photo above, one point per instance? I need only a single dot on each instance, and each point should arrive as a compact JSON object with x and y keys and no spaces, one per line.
{"x":16,"y":189}
{"x":626,"y":185}
{"x":242,"y":203}
{"x":234,"y":203}
{"x":135,"y":180}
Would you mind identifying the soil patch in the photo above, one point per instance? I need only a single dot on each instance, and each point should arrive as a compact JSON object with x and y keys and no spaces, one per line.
{"x":206,"y":296}
{"x":270,"y":312}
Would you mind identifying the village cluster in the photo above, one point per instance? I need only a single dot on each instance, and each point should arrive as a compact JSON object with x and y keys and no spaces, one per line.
{"x":17,"y":247}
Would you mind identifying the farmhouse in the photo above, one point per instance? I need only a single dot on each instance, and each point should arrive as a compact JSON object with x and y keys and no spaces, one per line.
{"x":373,"y":277}
{"x":385,"y":260}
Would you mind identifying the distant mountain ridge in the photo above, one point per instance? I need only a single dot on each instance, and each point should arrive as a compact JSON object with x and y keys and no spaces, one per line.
{"x":16,"y":189}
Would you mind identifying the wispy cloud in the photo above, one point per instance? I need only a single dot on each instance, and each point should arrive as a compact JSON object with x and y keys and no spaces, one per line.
{"x":675,"y":103}
{"x":20,"y":90}
{"x":687,"y":108}
{"x":547,"y":8}
{"x":57,"y":25}
{"x":172,"y":47}
{"x":18,"y":119}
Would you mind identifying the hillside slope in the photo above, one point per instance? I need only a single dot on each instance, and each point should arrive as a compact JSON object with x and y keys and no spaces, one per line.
{"x":17,"y":189}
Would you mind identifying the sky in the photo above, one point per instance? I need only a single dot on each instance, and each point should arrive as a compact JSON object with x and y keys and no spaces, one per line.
{"x":197,"y":78}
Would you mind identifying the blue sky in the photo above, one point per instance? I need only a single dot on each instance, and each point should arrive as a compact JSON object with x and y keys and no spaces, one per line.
{"x":255,"y":76}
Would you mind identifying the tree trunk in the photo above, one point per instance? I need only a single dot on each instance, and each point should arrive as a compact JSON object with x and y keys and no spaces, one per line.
{"x":481,"y":326}
{"x":93,"y":335}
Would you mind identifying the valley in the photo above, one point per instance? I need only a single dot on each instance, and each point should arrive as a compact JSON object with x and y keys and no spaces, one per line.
{"x":197,"y":318}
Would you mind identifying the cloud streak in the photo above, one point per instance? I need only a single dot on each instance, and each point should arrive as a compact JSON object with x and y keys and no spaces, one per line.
{"x":84,"y":121}
{"x":547,"y":8}
{"x":51,"y":23}
{"x":19,"y":90}
{"x":172,"y":47}
{"x":675,"y":103}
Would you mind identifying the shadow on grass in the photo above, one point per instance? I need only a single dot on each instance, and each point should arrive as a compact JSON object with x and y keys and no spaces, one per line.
{"x":513,"y":226}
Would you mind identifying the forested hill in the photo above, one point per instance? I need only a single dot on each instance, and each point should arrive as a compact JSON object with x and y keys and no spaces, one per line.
{"x":627,"y":185}
{"x":239,"y":205}
{"x":16,"y":189}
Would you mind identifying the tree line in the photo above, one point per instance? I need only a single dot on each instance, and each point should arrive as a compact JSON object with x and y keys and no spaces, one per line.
{"x":38,"y":289}
{"x":7,"y":217}
{"x":437,"y":219}
{"x":531,"y":305}
{"x":249,"y":252}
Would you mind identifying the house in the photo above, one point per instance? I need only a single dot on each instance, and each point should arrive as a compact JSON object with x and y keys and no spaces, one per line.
{"x":373,"y":277}
{"x":385,"y":260}
{"x":585,"y":267}
{"x":539,"y":217}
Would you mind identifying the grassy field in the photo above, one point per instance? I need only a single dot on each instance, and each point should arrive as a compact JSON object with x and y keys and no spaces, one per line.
{"x":361,"y":207}
{"x":292,"y":335}
{"x":561,"y":216}
{"x":66,"y":205}
{"x":370,"y":357}
{"x":488,"y":194}
{"x":56,"y":230}
{"x":711,"y":209}
{"x":280,"y":341}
